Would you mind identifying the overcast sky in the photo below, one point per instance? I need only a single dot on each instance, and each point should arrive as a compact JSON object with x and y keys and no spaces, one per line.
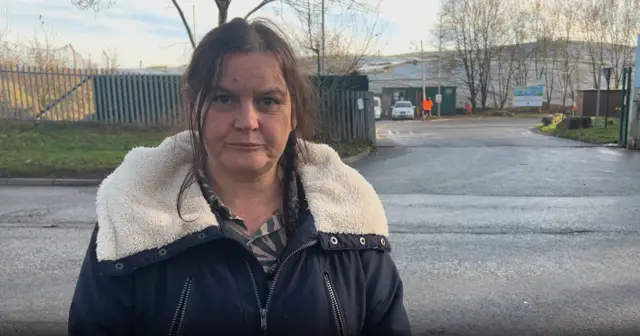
{"x":150,"y":31}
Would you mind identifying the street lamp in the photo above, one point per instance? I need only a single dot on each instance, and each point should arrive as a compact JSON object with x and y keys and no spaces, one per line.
{"x":440,"y":65}
{"x":424,"y":89}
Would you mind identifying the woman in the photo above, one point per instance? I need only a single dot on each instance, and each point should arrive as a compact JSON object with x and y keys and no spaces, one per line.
{"x":239,"y":225}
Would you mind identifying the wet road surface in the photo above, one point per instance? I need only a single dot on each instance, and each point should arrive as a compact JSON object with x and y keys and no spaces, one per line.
{"x":498,"y":230}
{"x":495,"y":230}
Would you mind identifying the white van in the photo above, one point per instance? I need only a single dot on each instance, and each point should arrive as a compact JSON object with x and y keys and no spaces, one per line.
{"x":377,"y":107}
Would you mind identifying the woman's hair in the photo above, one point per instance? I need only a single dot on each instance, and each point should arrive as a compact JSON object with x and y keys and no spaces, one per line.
{"x":204,"y":73}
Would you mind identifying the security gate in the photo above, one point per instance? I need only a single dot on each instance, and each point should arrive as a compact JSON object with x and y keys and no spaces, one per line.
{"x":625,"y":105}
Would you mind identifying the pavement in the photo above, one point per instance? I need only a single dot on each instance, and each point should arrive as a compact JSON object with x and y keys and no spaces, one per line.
{"x":494,"y":229}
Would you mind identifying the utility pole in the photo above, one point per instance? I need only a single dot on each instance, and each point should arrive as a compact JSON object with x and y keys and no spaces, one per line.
{"x":424,"y":89}
{"x":598,"y":96}
{"x":323,"y":42}
{"x":440,"y":67}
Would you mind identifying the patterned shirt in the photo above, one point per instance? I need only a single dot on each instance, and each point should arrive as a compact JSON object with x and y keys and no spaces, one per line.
{"x":267,"y":242}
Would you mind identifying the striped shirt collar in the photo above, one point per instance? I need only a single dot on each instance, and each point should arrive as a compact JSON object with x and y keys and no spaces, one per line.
{"x":218,"y":207}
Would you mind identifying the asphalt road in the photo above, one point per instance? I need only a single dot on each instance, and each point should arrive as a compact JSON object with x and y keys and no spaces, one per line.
{"x":495,"y":230}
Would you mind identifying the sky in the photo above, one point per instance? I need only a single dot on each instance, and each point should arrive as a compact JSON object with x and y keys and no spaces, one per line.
{"x":150,"y":32}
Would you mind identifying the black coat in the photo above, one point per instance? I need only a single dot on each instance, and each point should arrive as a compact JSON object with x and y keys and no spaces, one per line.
{"x":148,"y":273}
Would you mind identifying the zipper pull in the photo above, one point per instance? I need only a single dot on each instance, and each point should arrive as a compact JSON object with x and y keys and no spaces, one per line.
{"x":263,"y":320}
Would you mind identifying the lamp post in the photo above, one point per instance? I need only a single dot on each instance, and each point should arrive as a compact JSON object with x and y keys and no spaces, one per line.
{"x":424,"y":89}
{"x":440,"y":66}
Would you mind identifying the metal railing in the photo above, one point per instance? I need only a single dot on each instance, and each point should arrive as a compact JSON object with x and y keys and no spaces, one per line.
{"x":111,"y":97}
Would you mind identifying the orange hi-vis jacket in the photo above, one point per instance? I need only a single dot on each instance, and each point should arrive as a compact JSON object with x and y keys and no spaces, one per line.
{"x":427,"y":104}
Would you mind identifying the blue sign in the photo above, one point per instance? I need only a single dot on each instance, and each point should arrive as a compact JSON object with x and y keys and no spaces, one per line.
{"x":532,"y":91}
{"x":528,"y":95}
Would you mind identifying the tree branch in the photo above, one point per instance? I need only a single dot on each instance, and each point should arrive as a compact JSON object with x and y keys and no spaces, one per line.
{"x":185,"y":23}
{"x":223,"y":11}
{"x":258,"y":7}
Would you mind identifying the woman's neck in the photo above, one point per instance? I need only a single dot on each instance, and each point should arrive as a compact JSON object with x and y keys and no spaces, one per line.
{"x":252,"y":199}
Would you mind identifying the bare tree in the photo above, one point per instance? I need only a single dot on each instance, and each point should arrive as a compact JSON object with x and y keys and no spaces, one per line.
{"x":610,"y":29}
{"x":458,"y":32}
{"x":347,"y":40}
{"x":510,"y":56}
{"x":522,"y":24}
{"x":472,"y":30}
{"x":543,"y":39}
{"x":223,"y":9}
{"x":545,"y":55}
{"x":568,"y":52}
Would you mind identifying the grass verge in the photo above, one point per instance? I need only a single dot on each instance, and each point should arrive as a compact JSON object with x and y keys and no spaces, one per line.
{"x":600,"y":135}
{"x":347,"y":149}
{"x":63,"y":150}
{"x":83,"y":150}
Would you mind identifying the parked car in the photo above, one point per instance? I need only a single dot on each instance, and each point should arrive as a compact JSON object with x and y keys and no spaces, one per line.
{"x":402,"y":109}
{"x":377,"y":107}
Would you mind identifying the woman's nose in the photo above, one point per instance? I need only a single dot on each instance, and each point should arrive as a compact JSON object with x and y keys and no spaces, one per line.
{"x":246,"y":116}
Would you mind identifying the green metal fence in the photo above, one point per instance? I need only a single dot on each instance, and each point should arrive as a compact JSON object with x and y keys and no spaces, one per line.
{"x":625,"y":105}
{"x":109,"y":97}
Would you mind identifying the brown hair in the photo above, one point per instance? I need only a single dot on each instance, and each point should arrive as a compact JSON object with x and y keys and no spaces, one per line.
{"x":205,"y":72}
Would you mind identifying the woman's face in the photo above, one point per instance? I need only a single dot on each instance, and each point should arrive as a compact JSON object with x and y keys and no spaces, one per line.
{"x":249,"y":120}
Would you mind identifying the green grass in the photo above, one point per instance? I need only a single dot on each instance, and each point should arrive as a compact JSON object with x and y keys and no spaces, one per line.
{"x":344,"y":148}
{"x":600,"y":135}
{"x":83,"y":150}
{"x":347,"y":149}
{"x":60,"y":150}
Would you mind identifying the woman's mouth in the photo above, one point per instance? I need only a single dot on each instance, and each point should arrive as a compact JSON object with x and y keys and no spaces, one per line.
{"x":245,"y":145}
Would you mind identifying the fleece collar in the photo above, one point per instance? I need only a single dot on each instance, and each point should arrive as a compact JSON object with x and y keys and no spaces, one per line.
{"x":136,"y":204}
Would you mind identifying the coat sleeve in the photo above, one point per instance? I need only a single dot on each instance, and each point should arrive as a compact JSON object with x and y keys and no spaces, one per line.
{"x":385,"y":314}
{"x":101,"y":304}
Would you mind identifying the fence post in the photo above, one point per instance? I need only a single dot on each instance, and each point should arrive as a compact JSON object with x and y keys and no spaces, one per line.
{"x":623,"y":108}
{"x":370,"y":118}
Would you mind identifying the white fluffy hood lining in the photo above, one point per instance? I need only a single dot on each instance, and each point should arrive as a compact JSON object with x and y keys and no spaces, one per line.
{"x":136,"y":204}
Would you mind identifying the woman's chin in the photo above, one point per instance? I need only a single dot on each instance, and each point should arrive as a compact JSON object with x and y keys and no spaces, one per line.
{"x":247,"y":163}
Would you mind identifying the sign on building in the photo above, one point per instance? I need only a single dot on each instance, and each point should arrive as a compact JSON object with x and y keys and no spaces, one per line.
{"x":528,"y":96}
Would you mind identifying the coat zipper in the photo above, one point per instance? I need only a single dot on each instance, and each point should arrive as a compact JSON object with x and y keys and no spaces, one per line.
{"x":334,"y":304}
{"x":264,"y":310}
{"x":178,"y":316}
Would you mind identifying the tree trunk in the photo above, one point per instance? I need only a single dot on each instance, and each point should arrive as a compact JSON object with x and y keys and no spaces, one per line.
{"x":223,"y":11}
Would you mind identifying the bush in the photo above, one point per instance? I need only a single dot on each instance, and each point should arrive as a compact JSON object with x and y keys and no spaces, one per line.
{"x":557,"y":118}
{"x":546,"y":121}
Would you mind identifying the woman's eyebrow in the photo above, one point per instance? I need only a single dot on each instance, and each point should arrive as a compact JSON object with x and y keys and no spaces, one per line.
{"x":273,"y":91}
{"x":220,"y":89}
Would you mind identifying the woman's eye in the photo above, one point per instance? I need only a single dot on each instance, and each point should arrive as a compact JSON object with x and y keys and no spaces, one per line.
{"x":268,"y":101}
{"x":222,"y":99}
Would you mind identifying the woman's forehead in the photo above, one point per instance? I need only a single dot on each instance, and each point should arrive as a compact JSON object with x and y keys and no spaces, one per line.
{"x":254,"y":70}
